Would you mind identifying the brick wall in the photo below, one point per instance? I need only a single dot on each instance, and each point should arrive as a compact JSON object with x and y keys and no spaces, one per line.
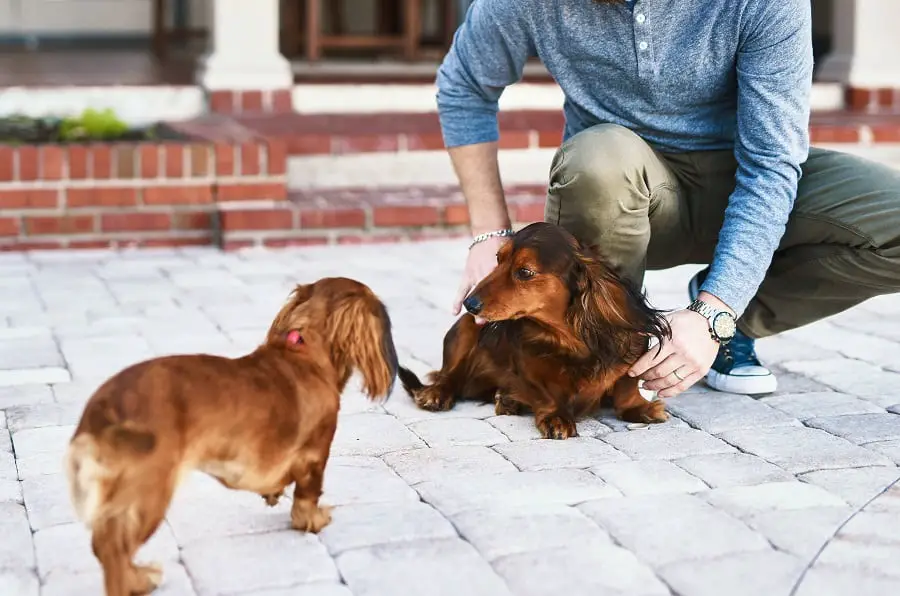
{"x":131,"y":195}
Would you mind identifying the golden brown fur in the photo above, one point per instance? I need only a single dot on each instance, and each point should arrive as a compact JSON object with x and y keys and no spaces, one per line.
{"x":256,"y":423}
{"x":562,"y":331}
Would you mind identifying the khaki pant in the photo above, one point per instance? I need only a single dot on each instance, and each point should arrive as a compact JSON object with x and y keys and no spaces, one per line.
{"x":644,"y":209}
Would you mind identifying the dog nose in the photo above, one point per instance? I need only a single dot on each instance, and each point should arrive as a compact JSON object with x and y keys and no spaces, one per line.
{"x":473,"y":304}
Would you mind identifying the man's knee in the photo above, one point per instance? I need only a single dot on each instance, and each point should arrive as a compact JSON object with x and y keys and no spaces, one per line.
{"x":603,"y":162}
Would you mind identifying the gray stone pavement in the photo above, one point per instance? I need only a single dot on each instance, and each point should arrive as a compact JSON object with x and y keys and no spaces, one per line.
{"x":734,"y":496}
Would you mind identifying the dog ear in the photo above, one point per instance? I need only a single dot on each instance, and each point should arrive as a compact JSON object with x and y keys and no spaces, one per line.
{"x":607,"y":312}
{"x":363,"y":340}
{"x":300,"y":294}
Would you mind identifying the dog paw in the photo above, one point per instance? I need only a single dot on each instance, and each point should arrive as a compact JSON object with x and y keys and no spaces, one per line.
{"x":653,"y":412}
{"x":432,"y":400}
{"x":146,"y":578}
{"x":505,"y":406}
{"x":272,"y":498}
{"x":310,"y":518}
{"x":557,"y":427}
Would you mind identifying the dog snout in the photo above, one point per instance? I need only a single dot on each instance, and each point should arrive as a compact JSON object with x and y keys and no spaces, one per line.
{"x":473,"y":304}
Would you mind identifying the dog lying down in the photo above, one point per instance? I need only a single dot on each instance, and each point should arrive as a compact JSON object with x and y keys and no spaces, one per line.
{"x":256,"y":423}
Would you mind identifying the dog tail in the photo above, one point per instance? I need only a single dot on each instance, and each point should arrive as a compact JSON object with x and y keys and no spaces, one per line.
{"x":410,"y":381}
{"x":92,"y":461}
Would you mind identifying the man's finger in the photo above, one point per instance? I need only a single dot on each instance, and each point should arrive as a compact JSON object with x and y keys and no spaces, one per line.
{"x":650,"y":358}
{"x":460,"y":296}
{"x":664,"y":368}
{"x":684,"y":385}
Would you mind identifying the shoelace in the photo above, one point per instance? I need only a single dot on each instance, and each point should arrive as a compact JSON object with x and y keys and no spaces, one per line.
{"x":741,"y":350}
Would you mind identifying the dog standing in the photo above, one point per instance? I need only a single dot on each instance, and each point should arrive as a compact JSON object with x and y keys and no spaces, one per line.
{"x":256,"y":423}
{"x":558,"y":329}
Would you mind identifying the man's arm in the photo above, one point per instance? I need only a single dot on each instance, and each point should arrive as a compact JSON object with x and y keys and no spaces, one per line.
{"x":774,"y":77}
{"x":484,"y":59}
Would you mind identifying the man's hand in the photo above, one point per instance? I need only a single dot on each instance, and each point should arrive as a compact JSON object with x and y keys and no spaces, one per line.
{"x":690,"y":353}
{"x":481,"y":261}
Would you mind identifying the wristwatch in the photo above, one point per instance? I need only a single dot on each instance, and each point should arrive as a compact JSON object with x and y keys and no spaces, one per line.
{"x":721,"y":322}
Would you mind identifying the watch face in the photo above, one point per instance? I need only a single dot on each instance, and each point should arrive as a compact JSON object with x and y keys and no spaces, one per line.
{"x":723,"y":325}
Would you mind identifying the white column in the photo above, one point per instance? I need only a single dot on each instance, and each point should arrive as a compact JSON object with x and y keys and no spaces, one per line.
{"x":244,"y":50}
{"x":865,"y":46}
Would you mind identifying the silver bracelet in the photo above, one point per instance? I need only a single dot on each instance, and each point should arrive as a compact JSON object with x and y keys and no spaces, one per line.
{"x":495,"y":234}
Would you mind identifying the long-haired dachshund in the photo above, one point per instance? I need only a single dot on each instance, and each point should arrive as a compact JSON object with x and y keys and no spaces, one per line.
{"x":256,"y":423}
{"x":560,"y":330}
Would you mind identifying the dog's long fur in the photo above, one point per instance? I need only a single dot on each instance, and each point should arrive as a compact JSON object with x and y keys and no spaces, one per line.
{"x":562,"y":330}
{"x":256,"y":423}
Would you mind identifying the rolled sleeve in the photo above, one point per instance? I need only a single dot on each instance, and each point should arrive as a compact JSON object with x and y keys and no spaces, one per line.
{"x":774,"y":79}
{"x":483,"y":60}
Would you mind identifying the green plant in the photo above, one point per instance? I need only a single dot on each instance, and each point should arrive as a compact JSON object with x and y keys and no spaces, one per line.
{"x":92,"y":125}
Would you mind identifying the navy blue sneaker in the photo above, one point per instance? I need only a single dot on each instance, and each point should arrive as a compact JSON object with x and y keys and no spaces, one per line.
{"x":736,"y":368}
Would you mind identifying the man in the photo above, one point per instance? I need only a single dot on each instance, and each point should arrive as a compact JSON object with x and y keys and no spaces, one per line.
{"x":686,"y":141}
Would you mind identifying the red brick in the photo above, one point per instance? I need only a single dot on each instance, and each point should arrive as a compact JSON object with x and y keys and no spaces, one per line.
{"x":7,"y":164}
{"x":250,"y":155}
{"x":886,"y":134}
{"x":134,"y":222}
{"x":885,"y":97}
{"x":191,"y":220}
{"x":19,"y":246}
{"x":241,"y":192}
{"x":276,"y":157}
{"x":58,"y":224}
{"x":333,"y":218}
{"x":221,"y":102}
{"x":365,"y":144}
{"x":199,"y":159}
{"x":78,"y":162}
{"x":174,"y":160}
{"x":224,"y":159}
{"x":295,"y":241}
{"x":101,"y":197}
{"x":9,"y":226}
{"x":515,"y":139}
{"x":174,"y":242}
{"x":28,"y":163}
{"x":424,"y":142}
{"x":419,"y":215}
{"x":370,"y":239}
{"x":251,"y":101}
{"x":527,"y":212}
{"x":177,"y":195}
{"x":309,"y":145}
{"x":125,"y":159}
{"x":52,"y":158}
{"x":101,"y":162}
{"x":34,"y":198}
{"x":833,"y":134}
{"x":547,"y":138}
{"x":91,"y":244}
{"x":859,"y":99}
{"x":456,"y":215}
{"x":237,"y":244}
{"x":281,"y":102}
{"x":149,"y":158}
{"x":257,"y":219}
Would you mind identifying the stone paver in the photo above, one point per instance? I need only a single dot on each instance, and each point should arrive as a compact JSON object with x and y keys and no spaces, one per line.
{"x":719,"y":412}
{"x":733,"y":495}
{"x":740,"y":574}
{"x":720,"y":470}
{"x":800,"y":449}
{"x":650,"y":526}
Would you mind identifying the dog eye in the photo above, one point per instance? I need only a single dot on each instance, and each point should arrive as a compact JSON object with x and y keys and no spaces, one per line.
{"x":524,"y":273}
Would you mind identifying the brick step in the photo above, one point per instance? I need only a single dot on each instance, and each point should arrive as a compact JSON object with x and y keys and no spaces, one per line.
{"x":350,"y":216}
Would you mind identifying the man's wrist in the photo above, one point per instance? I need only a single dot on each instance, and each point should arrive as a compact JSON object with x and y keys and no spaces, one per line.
{"x":714,"y":301}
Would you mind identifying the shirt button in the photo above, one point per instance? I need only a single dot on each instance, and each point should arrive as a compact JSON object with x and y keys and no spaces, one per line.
{"x":640,"y":18}
{"x":643,"y":45}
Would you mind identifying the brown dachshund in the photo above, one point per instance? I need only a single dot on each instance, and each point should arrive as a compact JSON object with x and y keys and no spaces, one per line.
{"x":559,"y":331}
{"x":256,"y":423}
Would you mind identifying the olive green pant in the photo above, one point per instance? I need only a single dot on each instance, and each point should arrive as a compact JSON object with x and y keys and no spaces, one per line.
{"x":645,"y":210}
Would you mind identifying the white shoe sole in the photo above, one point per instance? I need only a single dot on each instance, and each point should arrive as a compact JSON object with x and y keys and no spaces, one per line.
{"x":742,"y":384}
